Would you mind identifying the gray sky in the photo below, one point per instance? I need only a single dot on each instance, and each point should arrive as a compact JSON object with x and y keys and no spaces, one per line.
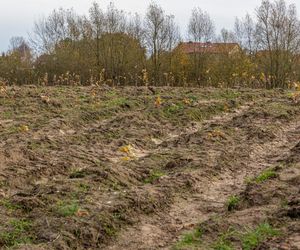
{"x":17,"y":16}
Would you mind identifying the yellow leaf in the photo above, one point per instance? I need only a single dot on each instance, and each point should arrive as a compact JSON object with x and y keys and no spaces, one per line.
{"x":2,"y":89}
{"x":126,"y":149}
{"x":187,"y":101}
{"x":158,"y":101}
{"x":226,"y":108}
{"x":24,"y":128}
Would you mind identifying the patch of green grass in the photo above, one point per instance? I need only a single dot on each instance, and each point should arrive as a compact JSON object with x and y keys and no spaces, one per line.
{"x":11,"y":130}
{"x":78,"y":174}
{"x":223,"y":245}
{"x":265,"y":175}
{"x":284,"y":203}
{"x":195,"y":115}
{"x":233,"y":202}
{"x":173,"y":109}
{"x":67,"y":209}
{"x":247,"y":239}
{"x":16,"y":234}
{"x":279,"y":109}
{"x":111,"y":93}
{"x":33,"y":145}
{"x":110,"y":230}
{"x":193,"y":98}
{"x":189,"y":239}
{"x":252,"y":238}
{"x":116,"y":102}
{"x":114,"y":185}
{"x":20,"y":225}
{"x":206,"y":112}
{"x":7,"y":114}
{"x":223,"y":242}
{"x":9,"y":205}
{"x":154,"y":175}
{"x":84,"y":188}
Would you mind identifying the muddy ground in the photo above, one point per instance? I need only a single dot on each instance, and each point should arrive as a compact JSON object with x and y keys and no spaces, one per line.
{"x":139,"y":168}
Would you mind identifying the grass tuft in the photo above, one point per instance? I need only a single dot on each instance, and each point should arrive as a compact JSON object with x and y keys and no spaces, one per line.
{"x":265,"y":175}
{"x":78,"y":174}
{"x":253,"y":238}
{"x":16,"y":234}
{"x":9,"y":205}
{"x":233,"y":202}
{"x":190,"y":239}
{"x":223,"y":242}
{"x":67,"y":210}
{"x":154,"y":175}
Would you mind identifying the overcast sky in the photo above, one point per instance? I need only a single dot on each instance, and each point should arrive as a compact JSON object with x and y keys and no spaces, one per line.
{"x":17,"y":16}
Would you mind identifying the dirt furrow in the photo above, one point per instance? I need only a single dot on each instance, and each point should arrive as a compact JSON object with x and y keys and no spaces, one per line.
{"x":162,"y":230}
{"x":112,"y":169}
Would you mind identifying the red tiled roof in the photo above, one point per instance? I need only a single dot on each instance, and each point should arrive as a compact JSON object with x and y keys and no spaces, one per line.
{"x":213,"y":48}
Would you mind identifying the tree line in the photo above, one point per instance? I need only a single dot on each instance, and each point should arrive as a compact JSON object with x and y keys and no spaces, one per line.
{"x":118,"y":48}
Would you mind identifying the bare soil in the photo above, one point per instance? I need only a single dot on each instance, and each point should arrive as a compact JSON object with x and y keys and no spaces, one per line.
{"x":130,"y":168}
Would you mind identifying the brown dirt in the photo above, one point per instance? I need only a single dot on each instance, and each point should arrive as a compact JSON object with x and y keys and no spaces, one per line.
{"x":101,"y":168}
{"x":211,"y":193}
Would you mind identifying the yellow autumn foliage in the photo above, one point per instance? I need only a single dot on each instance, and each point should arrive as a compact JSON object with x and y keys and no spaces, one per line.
{"x":158,"y":101}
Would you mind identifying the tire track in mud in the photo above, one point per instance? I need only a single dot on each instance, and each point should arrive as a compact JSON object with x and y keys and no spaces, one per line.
{"x":141,"y":153}
{"x":162,"y":230}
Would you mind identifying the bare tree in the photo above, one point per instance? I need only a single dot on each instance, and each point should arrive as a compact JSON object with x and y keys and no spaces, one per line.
{"x":155,"y":35}
{"x":172,"y":32}
{"x":17,"y":42}
{"x":173,"y":36}
{"x":135,"y":27}
{"x":279,"y":35}
{"x":245,"y":33}
{"x":115,"y":20}
{"x":201,"y":27}
{"x":47,"y":32}
{"x":250,"y":33}
{"x":227,"y":36}
{"x":97,"y":19}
